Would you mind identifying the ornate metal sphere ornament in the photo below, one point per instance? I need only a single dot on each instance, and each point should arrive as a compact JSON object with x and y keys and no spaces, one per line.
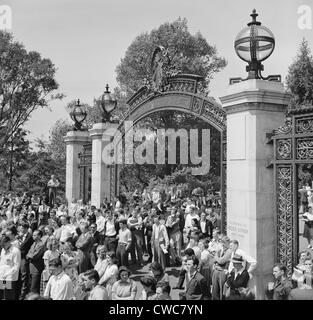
{"x":108,"y":104}
{"x":78,"y":115}
{"x":254,"y":44}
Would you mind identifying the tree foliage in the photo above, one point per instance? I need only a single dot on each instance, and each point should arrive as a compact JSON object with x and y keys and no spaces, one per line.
{"x":189,"y":53}
{"x":299,"y":80}
{"x":26,"y":83}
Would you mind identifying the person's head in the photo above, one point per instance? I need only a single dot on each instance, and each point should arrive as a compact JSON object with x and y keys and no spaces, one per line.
{"x":55,"y":266}
{"x":93,"y":227}
{"x":238,"y":262}
{"x":303,"y":255}
{"x":111,"y":257}
{"x":225,"y":242}
{"x":156,"y":219}
{"x":101,"y":253}
{"x":148,"y":283}
{"x":90,"y":279}
{"x":189,"y":252}
{"x":163,"y":288}
{"x":5,"y":242}
{"x":203,"y":216}
{"x":53,"y":244}
{"x":63,"y":220}
{"x":67,"y":247}
{"x":308,"y":265}
{"x":53,"y":176}
{"x":192,"y":264}
{"x":194,"y":240}
{"x":49,"y":230}
{"x":203,"y":244}
{"x":279,"y":271}
{"x":156,"y":270}
{"x":194,"y":223}
{"x":123,"y":224}
{"x":233,"y":245}
{"x":123,"y":273}
{"x":84,"y":227}
{"x":37,"y":235}
{"x":23,"y":227}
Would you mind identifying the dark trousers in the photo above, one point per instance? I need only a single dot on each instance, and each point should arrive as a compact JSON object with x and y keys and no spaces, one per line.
{"x":8,"y":290}
{"x":181,"y":277}
{"x":110,"y":243}
{"x":35,"y":282}
{"x":52,"y":195}
{"x":23,"y":278}
{"x":137,"y":246}
{"x":149,"y":248}
{"x":122,"y":254}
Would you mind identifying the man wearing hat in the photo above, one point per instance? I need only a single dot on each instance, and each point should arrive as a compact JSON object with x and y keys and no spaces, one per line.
{"x":238,"y":277}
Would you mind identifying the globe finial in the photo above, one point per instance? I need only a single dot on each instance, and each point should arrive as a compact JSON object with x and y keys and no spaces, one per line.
{"x":253,"y":15}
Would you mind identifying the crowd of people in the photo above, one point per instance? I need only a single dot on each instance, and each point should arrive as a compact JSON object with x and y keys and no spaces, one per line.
{"x":76,"y":251}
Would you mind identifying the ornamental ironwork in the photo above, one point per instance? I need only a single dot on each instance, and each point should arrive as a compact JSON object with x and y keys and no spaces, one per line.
{"x":285,"y":216}
{"x":305,"y":149}
{"x":283,"y":149}
{"x":293,"y":146}
{"x":304,"y":125}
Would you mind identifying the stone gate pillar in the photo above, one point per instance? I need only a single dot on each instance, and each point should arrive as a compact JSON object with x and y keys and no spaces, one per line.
{"x":254,"y":108}
{"x":101,"y":172}
{"x":74,"y":141}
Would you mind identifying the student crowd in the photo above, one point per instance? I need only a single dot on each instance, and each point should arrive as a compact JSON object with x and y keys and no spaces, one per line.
{"x":77,"y":251}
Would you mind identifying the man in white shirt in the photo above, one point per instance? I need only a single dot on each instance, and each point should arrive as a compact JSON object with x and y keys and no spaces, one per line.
{"x":100,"y":221}
{"x":59,"y":286}
{"x":10,"y":261}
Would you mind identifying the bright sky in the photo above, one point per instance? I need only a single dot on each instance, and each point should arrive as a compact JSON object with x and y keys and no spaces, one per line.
{"x":86,"y":39}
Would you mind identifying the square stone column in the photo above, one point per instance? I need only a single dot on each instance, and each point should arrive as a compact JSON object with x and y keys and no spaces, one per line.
{"x":74,"y":141}
{"x":101,"y":172}
{"x":254,"y":108}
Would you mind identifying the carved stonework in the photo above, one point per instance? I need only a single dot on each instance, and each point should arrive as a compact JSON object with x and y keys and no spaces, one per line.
{"x":283,"y":149}
{"x":304,"y":125}
{"x":305,"y":149}
{"x":211,"y":111}
{"x":285,"y":216}
{"x":286,"y":128}
{"x":196,"y":105}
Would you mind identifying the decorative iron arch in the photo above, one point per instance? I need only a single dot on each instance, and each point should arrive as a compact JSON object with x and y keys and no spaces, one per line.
{"x":183,"y":93}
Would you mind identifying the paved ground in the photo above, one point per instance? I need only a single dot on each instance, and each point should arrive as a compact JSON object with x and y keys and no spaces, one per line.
{"x":172,"y":272}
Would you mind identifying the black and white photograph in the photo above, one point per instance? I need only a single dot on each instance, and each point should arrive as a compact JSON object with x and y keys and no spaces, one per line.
{"x":158,"y":151}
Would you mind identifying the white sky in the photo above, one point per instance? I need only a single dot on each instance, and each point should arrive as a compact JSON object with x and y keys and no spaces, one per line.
{"x":86,"y":39}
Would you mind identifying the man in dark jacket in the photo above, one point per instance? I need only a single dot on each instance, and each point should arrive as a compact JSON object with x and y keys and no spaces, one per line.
{"x":238,"y":278}
{"x":197,"y":287}
{"x":25,"y":241}
{"x":36,"y":263}
{"x":206,"y":226}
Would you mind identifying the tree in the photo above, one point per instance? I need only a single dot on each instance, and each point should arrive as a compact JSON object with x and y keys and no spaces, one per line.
{"x":26,"y":83}
{"x":56,"y":145}
{"x":299,"y":80}
{"x":189,"y":53}
{"x":13,"y":159}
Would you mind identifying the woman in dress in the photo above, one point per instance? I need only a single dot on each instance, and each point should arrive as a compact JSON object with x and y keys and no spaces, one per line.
{"x":299,"y":270}
{"x":111,"y":273}
{"x":51,"y":254}
{"x":84,"y":246}
{"x":125,"y":288}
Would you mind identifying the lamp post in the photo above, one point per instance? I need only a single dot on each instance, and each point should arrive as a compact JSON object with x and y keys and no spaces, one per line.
{"x":254,"y":44}
{"x":108,"y":104}
{"x":78,"y":115}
